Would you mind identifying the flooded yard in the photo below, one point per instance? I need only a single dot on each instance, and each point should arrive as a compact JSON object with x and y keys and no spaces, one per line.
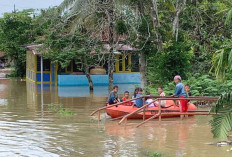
{"x":28,"y":128}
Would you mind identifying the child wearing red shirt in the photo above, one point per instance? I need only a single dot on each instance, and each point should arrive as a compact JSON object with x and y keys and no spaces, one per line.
{"x":126,"y":98}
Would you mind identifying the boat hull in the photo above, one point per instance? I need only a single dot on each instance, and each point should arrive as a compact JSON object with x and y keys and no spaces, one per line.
{"x":122,"y":110}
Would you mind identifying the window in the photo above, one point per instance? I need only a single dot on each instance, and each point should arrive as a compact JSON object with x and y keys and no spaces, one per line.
{"x":127,"y":63}
{"x":69,"y":67}
{"x":46,"y":64}
{"x":120,"y":58}
{"x":123,"y":63}
{"x":134,"y":63}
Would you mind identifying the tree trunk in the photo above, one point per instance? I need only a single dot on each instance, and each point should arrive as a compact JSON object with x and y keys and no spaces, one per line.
{"x":156,"y":24}
{"x":111,"y":70}
{"x":111,"y":59}
{"x":143,"y":69}
{"x":175,"y":24}
{"x":87,"y":74}
{"x":142,"y":56}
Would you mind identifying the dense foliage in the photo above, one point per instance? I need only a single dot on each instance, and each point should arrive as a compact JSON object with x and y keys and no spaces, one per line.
{"x":16,"y":30}
{"x":173,"y":60}
{"x":201,"y":85}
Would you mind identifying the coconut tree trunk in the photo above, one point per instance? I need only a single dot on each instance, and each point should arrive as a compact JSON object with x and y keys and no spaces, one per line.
{"x":156,"y":24}
{"x":111,"y":70}
{"x":142,"y":56}
{"x":143,"y":69}
{"x":175,"y":24}
{"x":87,"y":73}
{"x":111,"y":59}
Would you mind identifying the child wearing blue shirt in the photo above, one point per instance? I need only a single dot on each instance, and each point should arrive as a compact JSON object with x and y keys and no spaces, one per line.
{"x":139,"y":102}
{"x":113,"y":96}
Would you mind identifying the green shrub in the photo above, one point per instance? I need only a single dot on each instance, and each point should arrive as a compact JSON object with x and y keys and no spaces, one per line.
{"x":154,"y":154}
{"x":58,"y":108}
{"x":201,"y":85}
{"x":173,"y":60}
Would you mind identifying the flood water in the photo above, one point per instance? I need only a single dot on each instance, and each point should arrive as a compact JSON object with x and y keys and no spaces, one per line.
{"x":28,"y":128}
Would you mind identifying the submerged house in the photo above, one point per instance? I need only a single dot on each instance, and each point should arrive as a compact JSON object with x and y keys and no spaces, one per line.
{"x":126,"y":69}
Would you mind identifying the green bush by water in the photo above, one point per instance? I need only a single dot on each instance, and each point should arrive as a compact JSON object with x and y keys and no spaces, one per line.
{"x":58,"y":108}
{"x":154,"y":154}
{"x":201,"y":85}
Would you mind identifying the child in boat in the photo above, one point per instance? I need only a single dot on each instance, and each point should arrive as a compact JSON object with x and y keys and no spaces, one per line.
{"x":139,"y":102}
{"x":126,"y":98}
{"x":180,"y":92}
{"x":162,"y":94}
{"x":149,"y":100}
{"x":113,"y":97}
{"x":134,"y":96}
{"x":187,"y":89}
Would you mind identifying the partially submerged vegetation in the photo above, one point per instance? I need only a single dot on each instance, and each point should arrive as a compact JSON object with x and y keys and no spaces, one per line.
{"x":59,"y":108}
{"x":155,"y":154}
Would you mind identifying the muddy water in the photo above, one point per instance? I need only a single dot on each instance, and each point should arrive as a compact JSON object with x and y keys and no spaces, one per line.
{"x":27,"y":129}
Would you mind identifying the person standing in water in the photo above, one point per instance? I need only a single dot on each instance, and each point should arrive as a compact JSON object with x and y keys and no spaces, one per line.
{"x":180,"y":92}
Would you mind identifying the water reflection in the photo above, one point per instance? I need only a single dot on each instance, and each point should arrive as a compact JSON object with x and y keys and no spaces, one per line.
{"x":26,"y":131}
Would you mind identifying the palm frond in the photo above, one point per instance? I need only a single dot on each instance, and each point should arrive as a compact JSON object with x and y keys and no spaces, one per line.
{"x":218,"y":63}
{"x":66,"y":4}
{"x":228,"y":17}
{"x":222,"y":122}
{"x":221,"y":125}
{"x":230,"y":60}
{"x":222,"y":61}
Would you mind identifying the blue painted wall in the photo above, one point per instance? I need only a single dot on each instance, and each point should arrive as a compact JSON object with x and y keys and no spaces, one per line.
{"x":98,"y":80}
{"x":72,"y":80}
{"x":46,"y":77}
{"x":127,"y":78}
{"x":99,"y":91}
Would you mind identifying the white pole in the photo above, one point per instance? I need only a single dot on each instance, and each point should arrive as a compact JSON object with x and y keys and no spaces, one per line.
{"x":41,"y":70}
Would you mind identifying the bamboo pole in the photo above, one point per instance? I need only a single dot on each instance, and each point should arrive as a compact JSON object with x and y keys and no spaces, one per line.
{"x":191,"y":98}
{"x":99,"y":116}
{"x":159,"y":110}
{"x":165,"y":114}
{"x":186,"y":113}
{"x":144,"y":101}
{"x":117,"y":118}
{"x":156,"y":115}
{"x":120,"y":103}
{"x":136,"y":111}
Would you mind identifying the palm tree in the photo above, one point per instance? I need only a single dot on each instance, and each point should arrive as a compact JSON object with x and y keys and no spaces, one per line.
{"x":222,"y":60}
{"x":222,"y":121}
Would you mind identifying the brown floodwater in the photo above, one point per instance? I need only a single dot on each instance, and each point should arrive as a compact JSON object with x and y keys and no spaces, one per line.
{"x":28,"y":128}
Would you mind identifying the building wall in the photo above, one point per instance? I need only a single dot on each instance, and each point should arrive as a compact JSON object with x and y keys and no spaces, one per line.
{"x":98,"y":80}
{"x":33,"y":73}
{"x":30,"y":67}
{"x":99,"y":91}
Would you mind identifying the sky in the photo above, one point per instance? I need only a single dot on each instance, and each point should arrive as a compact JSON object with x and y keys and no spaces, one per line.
{"x":8,"y":5}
